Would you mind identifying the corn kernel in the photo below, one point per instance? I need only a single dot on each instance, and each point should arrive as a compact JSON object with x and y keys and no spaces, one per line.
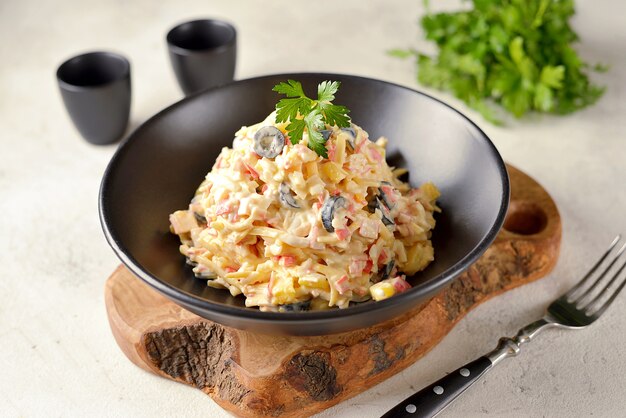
{"x":380,"y":291}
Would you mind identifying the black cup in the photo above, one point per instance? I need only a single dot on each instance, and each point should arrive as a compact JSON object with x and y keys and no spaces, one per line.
{"x":96,"y":91}
{"x":203,"y":54}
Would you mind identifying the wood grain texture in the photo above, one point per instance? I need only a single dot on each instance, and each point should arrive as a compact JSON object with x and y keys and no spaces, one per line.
{"x":268,"y":376}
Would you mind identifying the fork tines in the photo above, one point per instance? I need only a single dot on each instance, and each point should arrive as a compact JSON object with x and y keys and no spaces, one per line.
{"x":586,"y":295}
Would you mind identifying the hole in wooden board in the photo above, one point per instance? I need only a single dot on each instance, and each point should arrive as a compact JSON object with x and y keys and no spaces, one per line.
{"x":525,"y":218}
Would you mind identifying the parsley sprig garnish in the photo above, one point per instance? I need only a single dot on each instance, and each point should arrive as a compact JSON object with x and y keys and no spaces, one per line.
{"x":517,"y":54}
{"x":303,"y":112}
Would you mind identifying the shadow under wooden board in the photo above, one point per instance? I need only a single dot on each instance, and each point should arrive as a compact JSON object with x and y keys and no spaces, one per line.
{"x":260,"y":375}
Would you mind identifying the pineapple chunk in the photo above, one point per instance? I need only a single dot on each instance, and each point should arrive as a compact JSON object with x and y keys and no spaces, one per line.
{"x":333,"y":172}
{"x":310,"y":169}
{"x":283,"y":291}
{"x":418,"y":257}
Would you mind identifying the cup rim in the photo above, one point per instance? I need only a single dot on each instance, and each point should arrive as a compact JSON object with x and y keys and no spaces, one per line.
{"x":125,"y":73}
{"x":186,"y":51}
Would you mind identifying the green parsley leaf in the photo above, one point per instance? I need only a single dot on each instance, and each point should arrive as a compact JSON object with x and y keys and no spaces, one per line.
{"x":297,"y":103}
{"x":288,"y":109}
{"x":543,"y":98}
{"x":552,"y":76}
{"x":303,"y":112}
{"x":333,"y":114}
{"x":336,"y":115}
{"x":296,"y":130}
{"x":517,"y":54}
{"x":314,"y":122}
{"x":400,"y":53}
{"x":601,"y":68}
{"x":516,"y":50}
{"x":326,"y":91}
{"x":291,"y":88}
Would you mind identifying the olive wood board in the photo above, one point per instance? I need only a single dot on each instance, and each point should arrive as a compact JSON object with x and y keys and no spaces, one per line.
{"x":257,"y":375}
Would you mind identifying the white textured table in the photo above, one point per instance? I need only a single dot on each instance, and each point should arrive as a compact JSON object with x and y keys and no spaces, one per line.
{"x":58,"y":356}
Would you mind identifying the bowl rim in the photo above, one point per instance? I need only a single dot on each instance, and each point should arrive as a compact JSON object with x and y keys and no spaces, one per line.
{"x":186,"y":299}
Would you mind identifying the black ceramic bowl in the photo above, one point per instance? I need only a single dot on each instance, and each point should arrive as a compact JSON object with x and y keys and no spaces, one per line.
{"x":157,"y":169}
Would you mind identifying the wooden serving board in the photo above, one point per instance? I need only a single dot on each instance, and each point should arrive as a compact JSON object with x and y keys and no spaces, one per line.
{"x":268,"y":376}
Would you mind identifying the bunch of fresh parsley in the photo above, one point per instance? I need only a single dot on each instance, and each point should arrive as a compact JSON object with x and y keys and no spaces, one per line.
{"x":313,"y":115}
{"x":516,"y":53}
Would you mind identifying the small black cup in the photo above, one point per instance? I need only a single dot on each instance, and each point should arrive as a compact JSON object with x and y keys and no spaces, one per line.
{"x":96,"y":91}
{"x":203,"y":54}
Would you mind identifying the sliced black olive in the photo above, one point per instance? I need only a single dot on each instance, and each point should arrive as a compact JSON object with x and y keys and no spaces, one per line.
{"x":376,"y":277}
{"x":286,"y":197}
{"x":301,"y":306}
{"x":201,"y":219}
{"x":388,"y":269}
{"x":268,"y":142}
{"x":376,"y":203}
{"x":386,"y":220}
{"x":390,"y":205}
{"x":372,"y":205}
{"x":326,"y":133}
{"x":328,"y":211}
{"x":384,"y":273}
{"x":352,"y":132}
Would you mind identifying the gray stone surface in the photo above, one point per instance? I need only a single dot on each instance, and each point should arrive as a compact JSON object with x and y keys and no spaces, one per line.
{"x":59,"y":358}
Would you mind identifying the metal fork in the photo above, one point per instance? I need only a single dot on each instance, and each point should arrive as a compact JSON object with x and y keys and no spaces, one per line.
{"x":576,"y":309}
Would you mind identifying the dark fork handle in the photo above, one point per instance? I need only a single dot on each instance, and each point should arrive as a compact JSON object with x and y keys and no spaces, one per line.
{"x":432,"y":399}
{"x":429,"y":401}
